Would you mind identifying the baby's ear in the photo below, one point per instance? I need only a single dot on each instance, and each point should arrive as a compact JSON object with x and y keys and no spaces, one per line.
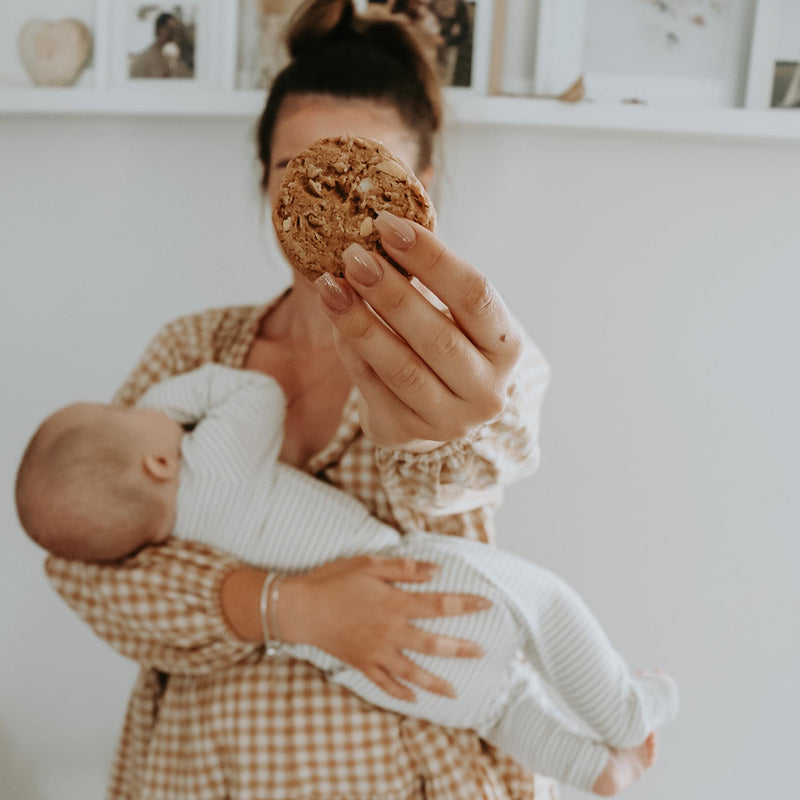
{"x":161,"y":468}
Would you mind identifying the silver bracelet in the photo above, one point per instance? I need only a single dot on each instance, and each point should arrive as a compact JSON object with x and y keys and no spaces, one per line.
{"x":274,"y":598}
{"x":268,"y":606}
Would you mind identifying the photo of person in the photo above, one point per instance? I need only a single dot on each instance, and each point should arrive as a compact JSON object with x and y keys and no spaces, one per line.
{"x":161,"y":42}
{"x":445,"y":29}
{"x":786,"y":79}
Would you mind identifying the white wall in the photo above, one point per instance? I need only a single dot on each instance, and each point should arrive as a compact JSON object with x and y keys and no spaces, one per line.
{"x":661,"y":279}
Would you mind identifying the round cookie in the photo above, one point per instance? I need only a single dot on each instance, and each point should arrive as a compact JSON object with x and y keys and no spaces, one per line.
{"x":330,"y":195}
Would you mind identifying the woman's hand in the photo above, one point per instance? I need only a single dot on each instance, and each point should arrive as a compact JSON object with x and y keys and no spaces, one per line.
{"x":350,"y":609}
{"x":425,"y":377}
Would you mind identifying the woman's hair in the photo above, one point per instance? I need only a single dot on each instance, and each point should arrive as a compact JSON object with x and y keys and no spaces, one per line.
{"x":334,"y":51}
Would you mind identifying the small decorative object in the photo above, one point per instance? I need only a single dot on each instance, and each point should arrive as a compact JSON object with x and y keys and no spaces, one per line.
{"x":54,"y":53}
{"x":575,"y":93}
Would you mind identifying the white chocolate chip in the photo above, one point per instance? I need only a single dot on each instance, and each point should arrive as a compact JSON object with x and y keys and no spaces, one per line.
{"x":365,"y":186}
{"x":366,"y":226}
{"x":315,"y":187}
{"x":391,"y":168}
{"x":287,"y":224}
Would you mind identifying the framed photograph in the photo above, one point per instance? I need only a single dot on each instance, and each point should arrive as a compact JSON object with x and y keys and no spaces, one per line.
{"x":774,"y":80}
{"x":48,"y":43}
{"x":165,"y":44}
{"x":456,"y":35}
{"x":654,"y":52}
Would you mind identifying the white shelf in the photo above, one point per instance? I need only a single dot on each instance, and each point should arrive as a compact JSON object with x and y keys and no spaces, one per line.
{"x":734,"y":123}
{"x":462,"y":106}
{"x":133,"y":100}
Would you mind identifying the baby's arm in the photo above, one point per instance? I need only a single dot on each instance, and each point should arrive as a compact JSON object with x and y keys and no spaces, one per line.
{"x":270,"y":514}
{"x":239,"y":415}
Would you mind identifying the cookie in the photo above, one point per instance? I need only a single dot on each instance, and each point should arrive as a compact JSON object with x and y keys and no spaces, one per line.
{"x":330,"y":195}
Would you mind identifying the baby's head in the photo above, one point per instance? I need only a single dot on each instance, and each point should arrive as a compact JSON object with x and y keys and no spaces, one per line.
{"x":97,"y":482}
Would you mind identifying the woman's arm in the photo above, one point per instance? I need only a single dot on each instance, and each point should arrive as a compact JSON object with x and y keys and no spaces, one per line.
{"x":466,"y":474}
{"x":451,"y":391}
{"x":425,"y":377}
{"x":351,"y":609}
{"x":160,"y":607}
{"x":185,"y":608}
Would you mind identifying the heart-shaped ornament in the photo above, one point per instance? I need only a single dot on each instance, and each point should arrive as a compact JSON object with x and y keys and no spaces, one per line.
{"x":54,"y":53}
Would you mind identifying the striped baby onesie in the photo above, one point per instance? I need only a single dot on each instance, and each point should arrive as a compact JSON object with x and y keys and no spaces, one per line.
{"x":234,"y":494}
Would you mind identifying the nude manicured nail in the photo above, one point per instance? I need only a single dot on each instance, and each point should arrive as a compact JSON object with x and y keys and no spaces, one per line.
{"x":333,"y":294}
{"x":394,"y":231}
{"x":362,"y":265}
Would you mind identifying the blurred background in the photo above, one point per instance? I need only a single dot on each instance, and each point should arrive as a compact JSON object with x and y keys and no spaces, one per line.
{"x":657,"y":271}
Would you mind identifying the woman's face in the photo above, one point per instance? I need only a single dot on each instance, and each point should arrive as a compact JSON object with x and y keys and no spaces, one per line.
{"x":303,"y":120}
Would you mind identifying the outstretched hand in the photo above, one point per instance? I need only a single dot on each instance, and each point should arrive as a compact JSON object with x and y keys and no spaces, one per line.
{"x":350,"y":609}
{"x":425,"y":376}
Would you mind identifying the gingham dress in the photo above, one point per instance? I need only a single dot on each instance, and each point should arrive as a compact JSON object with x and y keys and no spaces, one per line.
{"x":210,"y":718}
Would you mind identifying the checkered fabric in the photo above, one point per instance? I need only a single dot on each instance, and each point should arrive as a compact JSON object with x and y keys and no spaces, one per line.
{"x":210,"y":718}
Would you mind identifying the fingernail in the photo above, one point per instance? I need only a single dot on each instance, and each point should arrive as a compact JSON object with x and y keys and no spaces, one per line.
{"x":481,"y":604}
{"x":447,"y":690}
{"x":473,"y":651}
{"x":427,"y":566}
{"x":394,"y":231}
{"x":362,"y":265}
{"x":334,"y":294}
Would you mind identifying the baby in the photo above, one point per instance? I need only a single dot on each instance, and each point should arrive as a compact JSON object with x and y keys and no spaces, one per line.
{"x":98,"y":482}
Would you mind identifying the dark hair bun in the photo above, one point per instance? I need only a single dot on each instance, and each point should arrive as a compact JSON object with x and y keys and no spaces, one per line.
{"x":319,"y":20}
{"x":338,"y":52}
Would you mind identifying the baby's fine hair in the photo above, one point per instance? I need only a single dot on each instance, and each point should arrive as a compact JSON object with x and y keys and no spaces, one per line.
{"x":78,"y":487}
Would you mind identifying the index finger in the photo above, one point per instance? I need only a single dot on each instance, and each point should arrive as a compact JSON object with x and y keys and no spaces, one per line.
{"x":475,"y":304}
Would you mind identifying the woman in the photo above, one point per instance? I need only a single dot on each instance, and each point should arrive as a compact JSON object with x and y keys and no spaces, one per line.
{"x":422,"y":425}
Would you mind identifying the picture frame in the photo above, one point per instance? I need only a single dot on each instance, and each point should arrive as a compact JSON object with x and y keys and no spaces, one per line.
{"x":458,"y":34}
{"x":513,"y":55}
{"x":165,"y":46}
{"x":677,"y":55}
{"x":774,"y":75}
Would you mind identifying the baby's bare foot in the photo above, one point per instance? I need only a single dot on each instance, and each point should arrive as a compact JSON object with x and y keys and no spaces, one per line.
{"x":624,"y":767}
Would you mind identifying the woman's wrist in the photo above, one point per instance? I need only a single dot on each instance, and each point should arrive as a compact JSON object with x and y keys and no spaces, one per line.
{"x":241,"y":604}
{"x":293,"y":616}
{"x":240,"y":600}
